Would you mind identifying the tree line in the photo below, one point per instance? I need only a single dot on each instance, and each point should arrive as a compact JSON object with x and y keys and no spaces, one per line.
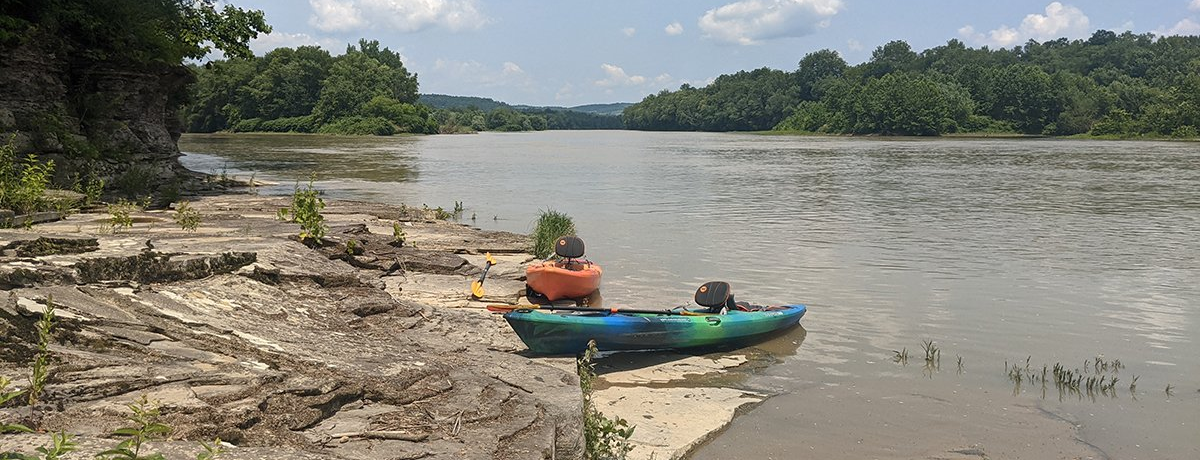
{"x":366,"y":90}
{"x":1120,"y":85}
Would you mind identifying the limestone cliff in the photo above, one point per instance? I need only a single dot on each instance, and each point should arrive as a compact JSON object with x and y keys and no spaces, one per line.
{"x":118,"y":121}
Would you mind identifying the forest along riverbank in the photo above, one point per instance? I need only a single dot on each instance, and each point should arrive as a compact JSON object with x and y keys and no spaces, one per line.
{"x":360,"y":349}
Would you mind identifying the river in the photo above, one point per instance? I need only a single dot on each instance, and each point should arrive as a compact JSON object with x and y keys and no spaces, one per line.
{"x":1000,"y":251}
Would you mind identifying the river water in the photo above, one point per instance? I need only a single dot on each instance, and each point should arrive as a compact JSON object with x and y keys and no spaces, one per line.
{"x":999,"y":251}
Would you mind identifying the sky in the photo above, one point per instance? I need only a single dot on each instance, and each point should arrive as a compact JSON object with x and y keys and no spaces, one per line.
{"x":571,"y":52}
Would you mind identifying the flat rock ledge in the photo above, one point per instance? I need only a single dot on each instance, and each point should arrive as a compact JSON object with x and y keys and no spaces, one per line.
{"x":360,"y":349}
{"x":241,"y":332}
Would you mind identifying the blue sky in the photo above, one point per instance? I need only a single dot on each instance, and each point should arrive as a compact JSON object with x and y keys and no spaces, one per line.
{"x":572,"y":52}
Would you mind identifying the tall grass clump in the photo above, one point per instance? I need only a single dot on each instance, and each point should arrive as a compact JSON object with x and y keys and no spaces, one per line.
{"x":604,"y":438}
{"x":23,"y":182}
{"x":551,"y":225}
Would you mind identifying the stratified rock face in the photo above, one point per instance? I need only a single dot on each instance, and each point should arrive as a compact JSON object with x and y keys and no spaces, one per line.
{"x":91,"y":116}
{"x":284,"y":351}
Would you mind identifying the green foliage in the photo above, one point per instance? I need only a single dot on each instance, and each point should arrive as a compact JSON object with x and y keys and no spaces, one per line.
{"x":145,"y":428}
{"x":120,"y":214}
{"x":23,"y":182}
{"x":60,"y":445}
{"x":551,"y":225}
{"x":7,"y":395}
{"x":211,"y":451}
{"x":604,"y":438}
{"x":359,"y":126}
{"x":140,"y":31}
{"x":306,"y":211}
{"x":1059,"y":87}
{"x":187,"y":217}
{"x":40,"y":367}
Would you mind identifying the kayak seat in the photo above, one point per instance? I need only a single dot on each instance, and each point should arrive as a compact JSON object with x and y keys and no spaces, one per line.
{"x":715,"y":295}
{"x":569,"y":247}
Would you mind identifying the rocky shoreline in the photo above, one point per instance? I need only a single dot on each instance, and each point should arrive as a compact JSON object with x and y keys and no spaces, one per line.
{"x":360,"y":349}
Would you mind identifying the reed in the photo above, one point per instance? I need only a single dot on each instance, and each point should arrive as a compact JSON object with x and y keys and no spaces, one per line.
{"x":551,"y":225}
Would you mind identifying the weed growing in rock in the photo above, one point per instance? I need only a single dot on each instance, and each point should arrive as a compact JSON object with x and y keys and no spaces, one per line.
{"x":60,"y":445}
{"x":120,"y":214}
{"x":398,"y":235}
{"x":187,"y":217}
{"x":7,"y":395}
{"x":604,"y":438}
{"x":211,"y":451}
{"x":551,"y":225}
{"x":145,"y":428}
{"x":22,"y":182}
{"x":306,"y":211}
{"x":41,"y":361}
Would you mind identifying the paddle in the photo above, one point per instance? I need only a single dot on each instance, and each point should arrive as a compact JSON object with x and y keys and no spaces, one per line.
{"x":509,"y":308}
{"x":477,"y":286}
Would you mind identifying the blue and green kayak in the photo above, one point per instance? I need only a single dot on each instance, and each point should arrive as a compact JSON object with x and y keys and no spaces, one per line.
{"x":560,"y":332}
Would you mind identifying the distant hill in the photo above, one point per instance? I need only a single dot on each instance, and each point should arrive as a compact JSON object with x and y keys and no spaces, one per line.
{"x":615,"y":108}
{"x":443,"y":101}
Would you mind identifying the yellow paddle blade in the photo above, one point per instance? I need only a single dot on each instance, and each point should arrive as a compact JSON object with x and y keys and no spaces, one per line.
{"x":477,"y":289}
{"x":490,"y":260}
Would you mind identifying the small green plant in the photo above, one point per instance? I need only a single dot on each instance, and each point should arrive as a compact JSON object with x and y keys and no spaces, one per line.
{"x":211,"y":451}
{"x":458,"y":209}
{"x":41,"y":361}
{"x":60,"y":445}
{"x":960,"y":366}
{"x":306,"y":211}
{"x":120,"y":214}
{"x":92,"y":189}
{"x":1169,"y":390}
{"x":551,"y":225}
{"x":352,"y":248}
{"x":398,"y":235}
{"x":187,"y":217}
{"x":7,"y":395}
{"x":604,"y":438}
{"x":23,"y":182}
{"x":900,"y":357}
{"x":145,"y":428}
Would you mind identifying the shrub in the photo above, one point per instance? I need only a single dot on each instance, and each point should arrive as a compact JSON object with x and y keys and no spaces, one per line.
{"x":23,"y":182}
{"x":306,"y":211}
{"x":248,"y":125}
{"x":360,"y":126}
{"x":187,"y":217}
{"x":551,"y":226}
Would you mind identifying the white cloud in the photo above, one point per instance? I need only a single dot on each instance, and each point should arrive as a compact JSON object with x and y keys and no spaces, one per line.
{"x":476,"y":74}
{"x":675,"y":28}
{"x":331,"y":15}
{"x":1184,"y":27}
{"x":267,"y":42}
{"x":854,"y":45}
{"x":566,"y":93}
{"x":747,"y":22}
{"x":1060,"y":20}
{"x":616,"y":76}
{"x":629,"y":31}
{"x":399,"y":15}
{"x":1194,"y":6}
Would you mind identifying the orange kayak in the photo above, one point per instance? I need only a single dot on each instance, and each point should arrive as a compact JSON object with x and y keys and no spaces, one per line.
{"x":557,"y":280}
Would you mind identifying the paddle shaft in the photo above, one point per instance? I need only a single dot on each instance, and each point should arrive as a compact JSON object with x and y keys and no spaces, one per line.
{"x":597,"y":310}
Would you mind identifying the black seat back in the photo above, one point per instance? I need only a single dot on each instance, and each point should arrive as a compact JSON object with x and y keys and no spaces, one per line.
{"x":569,"y":247}
{"x":713,"y":294}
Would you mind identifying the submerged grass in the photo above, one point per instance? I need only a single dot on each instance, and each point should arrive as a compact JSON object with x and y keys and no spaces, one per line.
{"x":551,"y":225}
